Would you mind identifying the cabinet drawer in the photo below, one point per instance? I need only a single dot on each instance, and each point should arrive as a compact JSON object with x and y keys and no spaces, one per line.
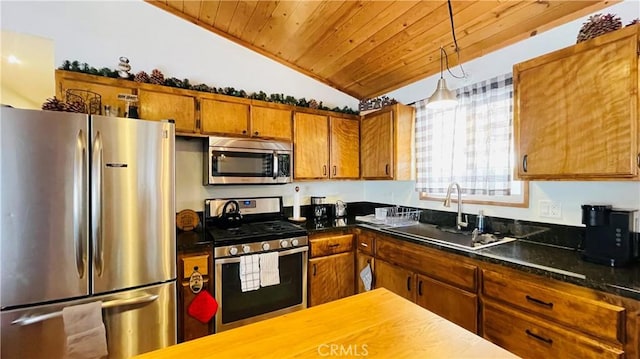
{"x":434,"y":263}
{"x":534,"y":338}
{"x":190,"y":264}
{"x":325,"y":246}
{"x":365,"y":242}
{"x":600,"y":319}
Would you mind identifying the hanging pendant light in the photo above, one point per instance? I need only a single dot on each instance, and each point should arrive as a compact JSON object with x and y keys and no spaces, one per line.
{"x":442,"y":97}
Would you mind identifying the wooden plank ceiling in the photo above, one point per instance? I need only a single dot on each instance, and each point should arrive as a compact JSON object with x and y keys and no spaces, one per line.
{"x":368,"y":48}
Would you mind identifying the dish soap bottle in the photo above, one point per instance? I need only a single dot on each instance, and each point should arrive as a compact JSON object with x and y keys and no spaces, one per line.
{"x":480,"y":221}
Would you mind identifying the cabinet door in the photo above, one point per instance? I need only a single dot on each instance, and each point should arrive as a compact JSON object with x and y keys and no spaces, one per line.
{"x":162,"y":106}
{"x":271,"y":123}
{"x":108,"y":93}
{"x":224,"y":118}
{"x":531,"y":338}
{"x":345,"y":148}
{"x":377,"y":146}
{"x":311,"y":146}
{"x":330,"y":278}
{"x":362,"y":261}
{"x":396,"y":279}
{"x":576,"y":111}
{"x":189,"y":327}
{"x":451,"y":303}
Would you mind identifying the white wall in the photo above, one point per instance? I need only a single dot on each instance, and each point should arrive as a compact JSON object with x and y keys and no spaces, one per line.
{"x":569,"y":194}
{"x":99,"y":32}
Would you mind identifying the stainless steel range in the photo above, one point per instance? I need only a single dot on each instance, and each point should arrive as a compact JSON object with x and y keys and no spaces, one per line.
{"x":242,"y":227}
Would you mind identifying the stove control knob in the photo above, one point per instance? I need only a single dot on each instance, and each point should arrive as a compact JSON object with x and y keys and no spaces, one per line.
{"x":284,"y":243}
{"x":246,"y":249}
{"x":294,"y":242}
{"x":233,"y":251}
{"x":265,"y":246}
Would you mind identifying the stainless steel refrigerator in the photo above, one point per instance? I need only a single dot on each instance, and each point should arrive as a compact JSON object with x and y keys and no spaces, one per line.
{"x":87,"y":214}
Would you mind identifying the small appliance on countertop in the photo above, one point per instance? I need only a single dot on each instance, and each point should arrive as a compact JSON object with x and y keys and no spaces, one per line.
{"x":609,"y":238}
{"x":319,"y":208}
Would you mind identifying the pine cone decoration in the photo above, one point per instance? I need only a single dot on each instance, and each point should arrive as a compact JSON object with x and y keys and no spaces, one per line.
{"x":157,"y":77}
{"x":141,"y":77}
{"x":313,"y":103}
{"x":53,"y":104}
{"x":597,"y":25}
{"x":76,"y":106}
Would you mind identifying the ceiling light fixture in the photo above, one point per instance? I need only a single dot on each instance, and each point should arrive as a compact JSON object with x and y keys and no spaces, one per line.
{"x":13,"y":60}
{"x":442,"y":97}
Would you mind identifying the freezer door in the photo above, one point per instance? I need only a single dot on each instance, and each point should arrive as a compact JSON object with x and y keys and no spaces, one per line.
{"x":136,"y":321}
{"x":43,"y":206}
{"x":133,"y":209}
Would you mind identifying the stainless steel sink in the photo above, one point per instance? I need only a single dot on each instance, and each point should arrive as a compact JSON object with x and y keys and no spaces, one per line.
{"x":448,"y":236}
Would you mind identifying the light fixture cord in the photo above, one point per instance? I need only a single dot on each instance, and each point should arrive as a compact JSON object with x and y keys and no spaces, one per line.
{"x":457,"y":49}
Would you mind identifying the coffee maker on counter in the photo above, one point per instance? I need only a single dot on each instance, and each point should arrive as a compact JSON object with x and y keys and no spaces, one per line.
{"x":318,"y":208}
{"x":609,"y":238}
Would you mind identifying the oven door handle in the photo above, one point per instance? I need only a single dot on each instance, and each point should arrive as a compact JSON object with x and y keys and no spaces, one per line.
{"x":280,"y":254}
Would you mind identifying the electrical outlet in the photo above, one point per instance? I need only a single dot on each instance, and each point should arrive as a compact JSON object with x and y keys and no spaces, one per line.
{"x":549,"y":209}
{"x":555,"y":210}
{"x":543,"y":208}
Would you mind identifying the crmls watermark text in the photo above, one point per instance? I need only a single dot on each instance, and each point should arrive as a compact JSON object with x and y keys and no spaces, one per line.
{"x":339,"y":350}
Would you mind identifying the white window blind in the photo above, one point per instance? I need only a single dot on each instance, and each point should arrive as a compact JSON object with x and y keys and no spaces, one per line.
{"x":471,"y":144}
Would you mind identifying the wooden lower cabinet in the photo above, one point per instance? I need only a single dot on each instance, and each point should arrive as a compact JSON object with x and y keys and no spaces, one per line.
{"x":330,"y":278}
{"x":396,"y":279}
{"x":451,"y":303}
{"x":454,"y":304}
{"x":189,"y":327}
{"x":362,"y":261}
{"x":530,"y":337}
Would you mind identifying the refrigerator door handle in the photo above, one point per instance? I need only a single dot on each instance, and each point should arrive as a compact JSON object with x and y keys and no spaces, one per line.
{"x":79,"y":190}
{"x":98,"y":252}
{"x":32,"y":319}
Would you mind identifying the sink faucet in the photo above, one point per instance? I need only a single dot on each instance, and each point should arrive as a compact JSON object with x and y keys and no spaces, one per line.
{"x":447,"y":203}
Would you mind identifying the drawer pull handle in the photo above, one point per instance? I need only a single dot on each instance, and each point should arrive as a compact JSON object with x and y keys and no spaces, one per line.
{"x":364,"y":244}
{"x":420,"y":288}
{"x":539,"y":302}
{"x":409,"y":283}
{"x":334,"y":245}
{"x":539,"y":337}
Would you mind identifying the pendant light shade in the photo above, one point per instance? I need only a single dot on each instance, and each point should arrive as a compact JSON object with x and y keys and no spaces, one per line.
{"x":442,"y":97}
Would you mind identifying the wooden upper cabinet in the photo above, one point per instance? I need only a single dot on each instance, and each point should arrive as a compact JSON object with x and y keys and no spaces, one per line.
{"x":224,"y":118}
{"x":311,"y":146}
{"x":155,"y":105}
{"x":345,"y":148}
{"x":107,"y":88}
{"x":576,"y":110}
{"x":271,"y":122}
{"x":387,"y":143}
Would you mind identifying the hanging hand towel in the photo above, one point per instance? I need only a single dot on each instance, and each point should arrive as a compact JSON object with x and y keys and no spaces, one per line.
{"x":249,"y":272}
{"x":203,"y":307}
{"x":269,"y":272}
{"x":85,"y":332}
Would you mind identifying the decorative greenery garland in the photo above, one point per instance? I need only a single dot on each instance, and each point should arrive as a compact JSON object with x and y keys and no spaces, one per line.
{"x":76,"y":66}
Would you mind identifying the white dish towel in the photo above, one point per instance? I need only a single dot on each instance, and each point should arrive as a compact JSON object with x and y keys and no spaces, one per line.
{"x":249,"y":272}
{"x":85,"y":332}
{"x":269,"y":271}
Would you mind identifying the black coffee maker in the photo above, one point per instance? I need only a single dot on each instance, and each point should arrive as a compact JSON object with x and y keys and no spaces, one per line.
{"x":609,"y":239}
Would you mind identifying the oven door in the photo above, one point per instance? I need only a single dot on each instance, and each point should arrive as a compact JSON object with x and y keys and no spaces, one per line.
{"x":241,"y":166}
{"x":239,"y":308}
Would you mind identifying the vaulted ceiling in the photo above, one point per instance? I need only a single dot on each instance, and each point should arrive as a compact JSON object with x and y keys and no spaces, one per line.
{"x":368,"y":48}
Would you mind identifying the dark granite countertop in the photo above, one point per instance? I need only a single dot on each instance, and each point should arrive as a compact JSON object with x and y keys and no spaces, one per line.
{"x":556,"y":262}
{"x":550,"y":261}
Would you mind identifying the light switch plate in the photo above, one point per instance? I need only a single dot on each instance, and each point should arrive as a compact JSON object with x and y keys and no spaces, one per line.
{"x":549,"y":209}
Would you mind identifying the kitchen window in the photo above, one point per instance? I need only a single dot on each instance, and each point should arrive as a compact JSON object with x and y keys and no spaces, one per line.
{"x":471,"y":144}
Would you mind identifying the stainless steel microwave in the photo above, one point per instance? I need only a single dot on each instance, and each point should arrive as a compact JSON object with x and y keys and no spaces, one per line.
{"x":231,"y":160}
